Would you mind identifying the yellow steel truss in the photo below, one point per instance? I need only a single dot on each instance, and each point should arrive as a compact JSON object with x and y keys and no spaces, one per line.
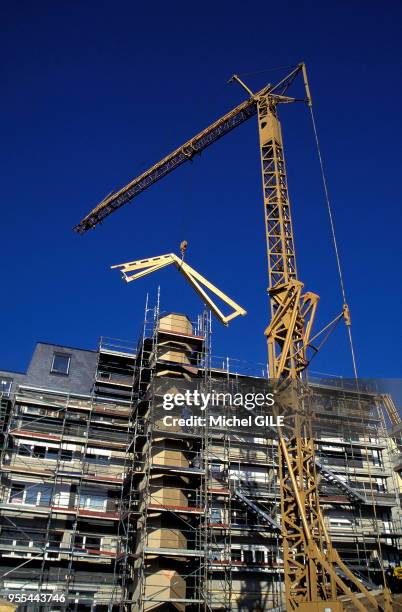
{"x":196,"y":280}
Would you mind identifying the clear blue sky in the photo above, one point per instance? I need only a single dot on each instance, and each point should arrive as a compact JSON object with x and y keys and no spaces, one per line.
{"x":95,"y":92}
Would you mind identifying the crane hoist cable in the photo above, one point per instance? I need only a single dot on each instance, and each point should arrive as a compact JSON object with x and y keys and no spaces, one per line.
{"x":346,"y":315}
{"x":334,"y":240}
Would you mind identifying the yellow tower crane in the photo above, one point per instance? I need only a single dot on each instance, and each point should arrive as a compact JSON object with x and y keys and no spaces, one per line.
{"x":314,"y":573}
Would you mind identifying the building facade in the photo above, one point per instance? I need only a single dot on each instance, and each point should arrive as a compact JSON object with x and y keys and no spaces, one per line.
{"x":104,"y":507}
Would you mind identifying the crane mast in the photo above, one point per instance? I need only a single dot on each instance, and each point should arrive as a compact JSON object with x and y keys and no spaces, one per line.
{"x":292,"y":314}
{"x":312,"y":566}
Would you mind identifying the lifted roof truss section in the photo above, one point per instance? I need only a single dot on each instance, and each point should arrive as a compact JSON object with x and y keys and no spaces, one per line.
{"x":142,"y":267}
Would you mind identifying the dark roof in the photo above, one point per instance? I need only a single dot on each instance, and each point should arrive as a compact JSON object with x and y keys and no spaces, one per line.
{"x":2,"y":371}
{"x":71,"y":348}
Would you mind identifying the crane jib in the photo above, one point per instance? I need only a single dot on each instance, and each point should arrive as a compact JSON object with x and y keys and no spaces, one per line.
{"x":184,"y":153}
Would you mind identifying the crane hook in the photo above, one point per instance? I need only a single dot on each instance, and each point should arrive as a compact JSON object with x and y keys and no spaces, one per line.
{"x":183,"y":247}
{"x":346,"y":315}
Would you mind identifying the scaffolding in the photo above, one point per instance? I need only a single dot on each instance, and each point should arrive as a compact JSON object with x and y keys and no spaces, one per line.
{"x":167,"y":473}
{"x":62,"y":472}
{"x":202,"y":522}
{"x":103,"y":503}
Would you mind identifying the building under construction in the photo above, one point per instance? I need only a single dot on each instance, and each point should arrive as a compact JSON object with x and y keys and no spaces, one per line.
{"x":103,"y":507}
{"x":106,"y":505}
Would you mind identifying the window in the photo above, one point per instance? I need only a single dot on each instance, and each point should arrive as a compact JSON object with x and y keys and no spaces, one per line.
{"x":25,"y":451}
{"x":105,"y":375}
{"x":259,"y":556}
{"x":45,"y":495}
{"x":39,"y":452}
{"x":93,"y":542}
{"x":248,"y":556}
{"x":32,"y":495}
{"x":340,"y":522}
{"x":32,"y":410}
{"x":87,"y":541}
{"x":377,"y":458}
{"x":98,"y":459}
{"x":38,"y":495}
{"x":91,"y":499}
{"x":17,"y":494}
{"x":239,"y":516}
{"x":216,"y":515}
{"x":52,"y":454}
{"x":5,"y":386}
{"x":381,"y":486}
{"x":66,"y":454}
{"x":62,"y":495}
{"x":61,"y":363}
